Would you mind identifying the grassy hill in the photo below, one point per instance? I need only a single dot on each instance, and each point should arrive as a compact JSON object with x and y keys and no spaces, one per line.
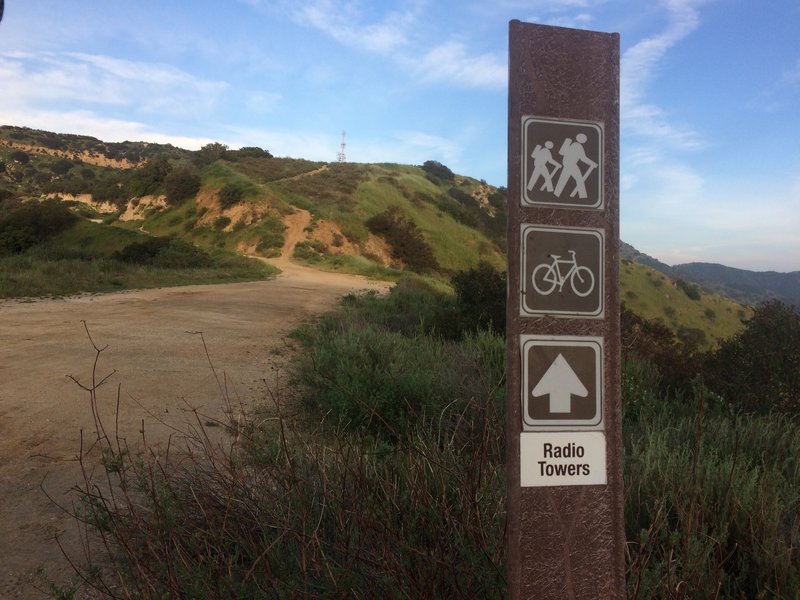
{"x":692,"y":313}
{"x":376,"y":219}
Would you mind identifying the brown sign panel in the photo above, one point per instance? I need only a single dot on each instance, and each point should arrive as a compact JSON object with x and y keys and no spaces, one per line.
{"x":562,"y":385}
{"x":565,"y":526}
{"x":561,"y":271}
{"x":562,"y":163}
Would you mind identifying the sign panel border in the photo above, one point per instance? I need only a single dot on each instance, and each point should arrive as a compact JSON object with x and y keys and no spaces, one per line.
{"x":570,"y":341}
{"x":600,"y":127}
{"x":525,"y":311}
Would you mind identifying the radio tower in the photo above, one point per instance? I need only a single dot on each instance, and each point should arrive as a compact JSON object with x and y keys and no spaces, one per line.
{"x":341,"y":155}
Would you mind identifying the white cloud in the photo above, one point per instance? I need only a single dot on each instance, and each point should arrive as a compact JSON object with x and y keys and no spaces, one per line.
{"x":46,"y":78}
{"x":451,"y":62}
{"x":99,"y":126}
{"x":639,"y":65}
{"x":396,"y":35}
{"x":345,"y":23}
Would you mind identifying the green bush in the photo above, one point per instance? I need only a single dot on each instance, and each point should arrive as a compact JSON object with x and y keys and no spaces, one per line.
{"x":438,"y":170}
{"x":406,"y":240}
{"x":481,"y":296}
{"x":230,"y":195}
{"x":373,"y":368}
{"x":692,"y":290}
{"x":758,"y":370}
{"x":181,"y":183}
{"x":149,"y":179}
{"x":25,"y":225}
{"x":142,"y":253}
{"x":221,"y":222}
{"x":170,"y":253}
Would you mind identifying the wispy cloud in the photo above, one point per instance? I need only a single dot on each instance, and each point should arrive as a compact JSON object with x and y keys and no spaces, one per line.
{"x":46,"y":78}
{"x":347,"y":24}
{"x":639,"y":65}
{"x":395,"y":35}
{"x":452,"y":62}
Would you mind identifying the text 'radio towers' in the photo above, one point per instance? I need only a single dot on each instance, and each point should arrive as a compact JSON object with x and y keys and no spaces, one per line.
{"x":342,"y":158}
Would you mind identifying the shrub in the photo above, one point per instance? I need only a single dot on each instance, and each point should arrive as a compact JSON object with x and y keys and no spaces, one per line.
{"x":654,"y":343}
{"x":230,"y":195}
{"x":149,"y":179}
{"x":180,"y":254}
{"x":142,"y":253}
{"x":248,"y":152}
{"x":438,"y":170}
{"x":407,"y":243}
{"x":32,"y":223}
{"x":692,"y":290}
{"x":62,"y":166}
{"x":181,"y":183}
{"x":221,"y":222}
{"x":758,"y":369}
{"x":481,"y":296}
{"x":20,"y":157}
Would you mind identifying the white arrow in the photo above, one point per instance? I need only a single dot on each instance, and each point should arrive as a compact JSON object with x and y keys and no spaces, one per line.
{"x":560,"y":382}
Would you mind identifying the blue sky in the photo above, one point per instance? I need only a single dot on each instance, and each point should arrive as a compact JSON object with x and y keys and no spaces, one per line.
{"x":710,"y":139}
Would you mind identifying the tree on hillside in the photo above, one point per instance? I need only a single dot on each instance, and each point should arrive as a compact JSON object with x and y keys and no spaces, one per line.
{"x":481,"y":296}
{"x":249,"y":152}
{"x":20,"y":157}
{"x":210,"y":153}
{"x":149,"y":179}
{"x":653,"y":342}
{"x":759,"y":368}
{"x":181,"y":183}
{"x":31,"y":223}
{"x":438,"y":170}
{"x":406,"y":240}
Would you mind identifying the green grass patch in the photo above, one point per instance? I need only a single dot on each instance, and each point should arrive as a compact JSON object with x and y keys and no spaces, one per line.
{"x":90,"y":257}
{"x":707,"y":320}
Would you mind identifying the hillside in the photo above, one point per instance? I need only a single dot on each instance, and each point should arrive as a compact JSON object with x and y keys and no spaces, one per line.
{"x":374,"y":219}
{"x":695,"y":315}
{"x":748,"y":287}
{"x":379,"y":218}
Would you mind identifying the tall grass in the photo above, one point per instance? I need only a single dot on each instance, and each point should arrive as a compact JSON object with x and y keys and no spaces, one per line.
{"x":712,"y":498}
{"x":378,"y":471}
{"x":58,"y":269}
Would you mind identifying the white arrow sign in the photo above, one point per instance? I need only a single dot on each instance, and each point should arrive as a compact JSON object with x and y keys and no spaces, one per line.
{"x":560,"y":382}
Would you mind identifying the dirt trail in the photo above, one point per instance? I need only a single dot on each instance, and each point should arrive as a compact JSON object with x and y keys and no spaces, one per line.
{"x":160,"y":367}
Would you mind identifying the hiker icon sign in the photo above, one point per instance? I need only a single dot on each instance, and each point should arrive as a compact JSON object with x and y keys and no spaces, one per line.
{"x":562,"y":163}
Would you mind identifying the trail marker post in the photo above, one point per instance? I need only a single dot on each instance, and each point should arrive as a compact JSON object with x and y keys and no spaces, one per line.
{"x":564,"y":459}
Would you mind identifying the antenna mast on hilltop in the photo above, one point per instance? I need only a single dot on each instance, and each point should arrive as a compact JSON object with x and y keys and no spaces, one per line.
{"x":341,"y":155}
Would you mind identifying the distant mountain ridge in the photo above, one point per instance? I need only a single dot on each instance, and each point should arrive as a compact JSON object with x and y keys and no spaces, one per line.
{"x":748,"y":287}
{"x":751,"y":287}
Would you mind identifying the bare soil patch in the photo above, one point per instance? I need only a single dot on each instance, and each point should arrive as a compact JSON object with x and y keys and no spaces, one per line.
{"x":160,"y":368}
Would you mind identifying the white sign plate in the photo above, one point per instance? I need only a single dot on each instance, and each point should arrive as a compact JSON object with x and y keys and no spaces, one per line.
{"x":562,"y":458}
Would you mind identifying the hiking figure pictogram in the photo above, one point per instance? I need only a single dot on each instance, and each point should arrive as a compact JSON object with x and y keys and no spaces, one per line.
{"x":574,"y":155}
{"x":562,"y":163}
{"x":542,"y":157}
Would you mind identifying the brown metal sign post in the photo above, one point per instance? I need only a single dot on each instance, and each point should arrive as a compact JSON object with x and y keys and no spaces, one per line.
{"x":565,"y":513}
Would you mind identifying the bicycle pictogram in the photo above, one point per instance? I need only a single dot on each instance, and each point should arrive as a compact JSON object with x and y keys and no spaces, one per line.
{"x":549,"y":276}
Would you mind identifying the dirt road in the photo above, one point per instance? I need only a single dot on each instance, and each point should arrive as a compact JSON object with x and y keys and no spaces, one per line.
{"x":160,"y":365}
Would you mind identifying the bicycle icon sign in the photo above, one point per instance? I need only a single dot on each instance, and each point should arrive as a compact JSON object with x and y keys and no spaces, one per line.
{"x":546,"y":277}
{"x":562,"y":271}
